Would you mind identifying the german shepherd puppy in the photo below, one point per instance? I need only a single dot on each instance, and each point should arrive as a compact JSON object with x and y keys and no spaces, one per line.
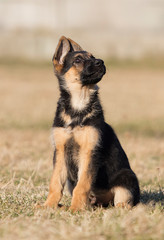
{"x":88,"y":154}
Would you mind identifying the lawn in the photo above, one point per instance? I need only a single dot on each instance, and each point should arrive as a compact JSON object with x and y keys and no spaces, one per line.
{"x":133,"y":101}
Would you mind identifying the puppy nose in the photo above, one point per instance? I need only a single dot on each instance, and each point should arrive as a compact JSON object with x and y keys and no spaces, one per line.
{"x":99,"y":62}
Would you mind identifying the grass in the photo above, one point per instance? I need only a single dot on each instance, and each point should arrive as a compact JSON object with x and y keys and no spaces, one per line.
{"x":133,"y":103}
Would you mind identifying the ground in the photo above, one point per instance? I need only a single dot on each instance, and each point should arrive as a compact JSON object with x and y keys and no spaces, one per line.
{"x":133,"y":100}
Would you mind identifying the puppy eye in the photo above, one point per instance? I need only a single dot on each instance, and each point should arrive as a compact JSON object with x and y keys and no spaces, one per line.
{"x":77,"y":60}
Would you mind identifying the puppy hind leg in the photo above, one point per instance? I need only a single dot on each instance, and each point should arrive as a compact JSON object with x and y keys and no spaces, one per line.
{"x":122,"y":197}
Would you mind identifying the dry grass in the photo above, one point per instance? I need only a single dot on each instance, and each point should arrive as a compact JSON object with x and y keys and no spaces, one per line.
{"x":133,"y":102}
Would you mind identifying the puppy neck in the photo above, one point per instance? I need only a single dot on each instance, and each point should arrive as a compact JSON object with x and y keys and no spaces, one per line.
{"x":81,"y":97}
{"x":77,"y":96}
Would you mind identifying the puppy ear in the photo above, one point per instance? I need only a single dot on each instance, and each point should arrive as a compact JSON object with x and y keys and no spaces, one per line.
{"x":62,"y":49}
{"x":74,"y":46}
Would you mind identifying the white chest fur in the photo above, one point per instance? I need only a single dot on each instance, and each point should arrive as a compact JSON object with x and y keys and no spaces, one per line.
{"x":80,"y":98}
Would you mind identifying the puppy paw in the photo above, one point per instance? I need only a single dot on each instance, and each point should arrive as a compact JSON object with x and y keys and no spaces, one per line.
{"x":123,"y":205}
{"x":38,"y":206}
{"x":74,"y":209}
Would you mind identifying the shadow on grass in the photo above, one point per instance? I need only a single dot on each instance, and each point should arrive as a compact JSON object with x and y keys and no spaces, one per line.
{"x":155,"y":196}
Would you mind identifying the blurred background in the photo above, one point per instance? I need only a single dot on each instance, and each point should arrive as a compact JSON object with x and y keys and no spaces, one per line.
{"x":112,"y":29}
{"x":128,"y":35}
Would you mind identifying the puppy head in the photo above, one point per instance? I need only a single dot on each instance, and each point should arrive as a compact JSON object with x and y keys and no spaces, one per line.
{"x":75,"y":66}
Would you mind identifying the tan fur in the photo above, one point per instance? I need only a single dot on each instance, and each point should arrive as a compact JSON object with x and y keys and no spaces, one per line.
{"x":63,"y":48}
{"x":57,"y":67}
{"x":122,"y":197}
{"x":72,"y":78}
{"x":67,"y":119}
{"x":59,"y":175}
{"x":87,"y":138}
{"x":58,"y":60}
{"x":123,"y":205}
{"x":80,"y":95}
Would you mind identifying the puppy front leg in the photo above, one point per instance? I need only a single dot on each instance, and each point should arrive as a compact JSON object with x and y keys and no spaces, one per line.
{"x":59,"y":175}
{"x":82,"y":189}
{"x":58,"y":180}
{"x":87,"y":138}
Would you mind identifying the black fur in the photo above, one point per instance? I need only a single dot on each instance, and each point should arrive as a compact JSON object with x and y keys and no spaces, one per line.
{"x":109,"y":164}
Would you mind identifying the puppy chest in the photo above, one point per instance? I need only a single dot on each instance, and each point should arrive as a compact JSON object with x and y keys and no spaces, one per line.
{"x":71,"y":151}
{"x":84,"y":137}
{"x":71,"y":155}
